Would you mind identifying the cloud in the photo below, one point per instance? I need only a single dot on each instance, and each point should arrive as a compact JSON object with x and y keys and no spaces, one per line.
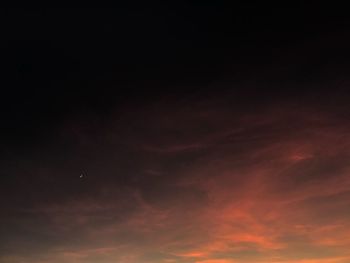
{"x":202,"y":185}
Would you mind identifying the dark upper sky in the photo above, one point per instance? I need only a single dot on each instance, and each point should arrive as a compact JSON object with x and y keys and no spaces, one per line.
{"x":205,"y":133}
{"x":56,"y":62}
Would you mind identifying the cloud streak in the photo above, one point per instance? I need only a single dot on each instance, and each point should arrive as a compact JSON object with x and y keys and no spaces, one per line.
{"x":207,"y":185}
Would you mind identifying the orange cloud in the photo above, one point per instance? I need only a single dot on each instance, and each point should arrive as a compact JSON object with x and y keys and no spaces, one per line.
{"x":263,"y":187}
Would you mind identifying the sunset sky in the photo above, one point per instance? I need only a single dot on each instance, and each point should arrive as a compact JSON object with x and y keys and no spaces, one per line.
{"x":174,"y":134}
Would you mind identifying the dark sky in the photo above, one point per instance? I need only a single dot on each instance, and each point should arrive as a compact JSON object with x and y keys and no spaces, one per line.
{"x":190,"y":133}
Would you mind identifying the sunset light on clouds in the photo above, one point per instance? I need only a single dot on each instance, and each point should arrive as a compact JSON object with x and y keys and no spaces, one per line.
{"x":266,"y":186}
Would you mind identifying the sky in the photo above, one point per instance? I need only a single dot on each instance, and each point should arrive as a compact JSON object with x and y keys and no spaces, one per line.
{"x":193,"y":133}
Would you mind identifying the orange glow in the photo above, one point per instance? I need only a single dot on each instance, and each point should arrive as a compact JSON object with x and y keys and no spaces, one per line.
{"x":269,"y":195}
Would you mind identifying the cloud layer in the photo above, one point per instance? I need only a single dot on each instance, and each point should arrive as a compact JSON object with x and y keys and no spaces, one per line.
{"x":186,"y":181}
